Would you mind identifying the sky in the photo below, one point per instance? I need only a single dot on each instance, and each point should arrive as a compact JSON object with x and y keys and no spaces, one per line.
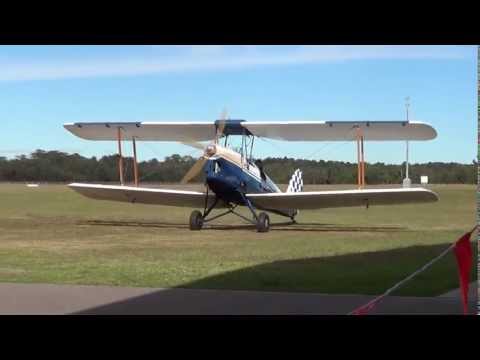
{"x":43,"y":87}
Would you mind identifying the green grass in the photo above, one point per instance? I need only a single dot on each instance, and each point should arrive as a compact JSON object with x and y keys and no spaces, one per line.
{"x":51,"y":234}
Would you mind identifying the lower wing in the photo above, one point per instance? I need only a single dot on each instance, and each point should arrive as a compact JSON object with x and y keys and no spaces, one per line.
{"x":343,"y":198}
{"x":143,"y":195}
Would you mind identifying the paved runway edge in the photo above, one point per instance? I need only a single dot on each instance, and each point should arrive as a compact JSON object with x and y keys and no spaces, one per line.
{"x":84,"y":299}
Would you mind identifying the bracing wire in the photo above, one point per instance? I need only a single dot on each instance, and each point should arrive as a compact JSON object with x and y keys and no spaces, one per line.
{"x":335,"y":144}
{"x":154,"y":152}
{"x":273,"y":145}
{"x":332,"y":144}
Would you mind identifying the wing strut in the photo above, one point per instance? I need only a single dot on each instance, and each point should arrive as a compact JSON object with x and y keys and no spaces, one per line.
{"x":360,"y":159}
{"x":120,"y":158}
{"x":135,"y":164}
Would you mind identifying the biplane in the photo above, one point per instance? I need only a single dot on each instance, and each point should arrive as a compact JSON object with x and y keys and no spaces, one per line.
{"x":235,"y":178}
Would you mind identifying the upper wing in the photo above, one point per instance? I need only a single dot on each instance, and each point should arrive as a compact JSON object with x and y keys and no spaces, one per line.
{"x":287,"y":130}
{"x":143,"y":195}
{"x":144,"y":131}
{"x":341,"y":130}
{"x":343,"y":198}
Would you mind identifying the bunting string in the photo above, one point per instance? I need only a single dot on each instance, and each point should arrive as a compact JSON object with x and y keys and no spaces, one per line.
{"x":364,"y":309}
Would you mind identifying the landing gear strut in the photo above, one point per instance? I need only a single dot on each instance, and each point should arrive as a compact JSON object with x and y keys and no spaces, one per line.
{"x":262,"y":220}
{"x":197,"y":219}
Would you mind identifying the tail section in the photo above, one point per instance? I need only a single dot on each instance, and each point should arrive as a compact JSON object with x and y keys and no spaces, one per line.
{"x":296,"y":182}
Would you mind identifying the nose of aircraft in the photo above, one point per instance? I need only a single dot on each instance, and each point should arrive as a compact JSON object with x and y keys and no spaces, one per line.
{"x":221,"y":185}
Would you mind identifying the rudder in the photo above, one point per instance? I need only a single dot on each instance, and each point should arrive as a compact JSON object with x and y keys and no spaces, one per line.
{"x":296,"y":182}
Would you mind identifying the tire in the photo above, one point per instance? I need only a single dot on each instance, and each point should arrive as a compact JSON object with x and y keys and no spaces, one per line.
{"x":263,"y":223}
{"x":196,"y":220}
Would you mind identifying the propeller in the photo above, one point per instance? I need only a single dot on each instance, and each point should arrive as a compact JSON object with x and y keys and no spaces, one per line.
{"x":195,"y":169}
{"x":209,"y":151}
{"x":221,"y":125}
{"x":194,"y":144}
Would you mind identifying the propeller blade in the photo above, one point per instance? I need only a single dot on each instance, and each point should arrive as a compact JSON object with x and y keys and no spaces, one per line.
{"x":194,"y":170}
{"x":224,"y":114}
{"x":221,"y":125}
{"x":194,"y":144}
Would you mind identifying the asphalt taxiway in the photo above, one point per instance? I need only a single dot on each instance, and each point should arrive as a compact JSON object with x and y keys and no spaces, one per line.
{"x":82,"y":299}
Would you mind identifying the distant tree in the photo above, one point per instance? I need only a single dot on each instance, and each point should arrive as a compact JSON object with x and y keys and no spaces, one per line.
{"x":59,"y":166}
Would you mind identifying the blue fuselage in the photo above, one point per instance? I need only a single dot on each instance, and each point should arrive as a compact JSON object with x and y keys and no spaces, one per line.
{"x":227,"y":180}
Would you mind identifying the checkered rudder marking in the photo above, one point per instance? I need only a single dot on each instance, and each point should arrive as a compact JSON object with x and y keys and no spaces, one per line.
{"x":296,"y":182}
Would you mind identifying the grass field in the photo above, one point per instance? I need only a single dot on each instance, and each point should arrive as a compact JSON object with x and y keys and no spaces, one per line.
{"x":52,"y":235}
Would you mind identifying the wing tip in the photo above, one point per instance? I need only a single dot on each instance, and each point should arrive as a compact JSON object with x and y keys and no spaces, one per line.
{"x":434,"y":195}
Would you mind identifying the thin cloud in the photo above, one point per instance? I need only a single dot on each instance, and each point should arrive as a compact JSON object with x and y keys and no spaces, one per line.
{"x":10,"y":153}
{"x":172,"y":59}
{"x":15,"y":151}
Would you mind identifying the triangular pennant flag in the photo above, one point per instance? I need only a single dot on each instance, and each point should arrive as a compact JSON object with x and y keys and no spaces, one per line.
{"x":463,"y":254}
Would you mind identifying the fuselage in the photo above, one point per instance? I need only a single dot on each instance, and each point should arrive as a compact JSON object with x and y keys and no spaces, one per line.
{"x":228,"y":174}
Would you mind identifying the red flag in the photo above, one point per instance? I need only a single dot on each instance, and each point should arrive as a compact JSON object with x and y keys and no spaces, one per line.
{"x":365,"y":309}
{"x":463,"y":253}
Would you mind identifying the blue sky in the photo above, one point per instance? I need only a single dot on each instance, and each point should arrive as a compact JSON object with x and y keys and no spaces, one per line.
{"x":42,"y":87}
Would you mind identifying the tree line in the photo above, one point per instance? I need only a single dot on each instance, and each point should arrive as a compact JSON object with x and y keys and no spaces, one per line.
{"x":56,"y":166}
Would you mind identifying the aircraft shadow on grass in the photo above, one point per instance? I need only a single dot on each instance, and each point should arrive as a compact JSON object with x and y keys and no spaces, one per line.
{"x":281,"y":226}
{"x":362,"y":273}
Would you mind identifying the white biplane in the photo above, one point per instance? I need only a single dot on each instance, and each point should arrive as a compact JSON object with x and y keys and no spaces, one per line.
{"x":234,"y":179}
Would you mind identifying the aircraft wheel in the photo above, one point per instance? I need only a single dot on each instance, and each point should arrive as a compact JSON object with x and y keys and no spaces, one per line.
{"x":263,"y":223}
{"x":196,"y":220}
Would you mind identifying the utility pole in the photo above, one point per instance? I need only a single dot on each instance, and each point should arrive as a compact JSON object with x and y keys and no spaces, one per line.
{"x":407,"y":182}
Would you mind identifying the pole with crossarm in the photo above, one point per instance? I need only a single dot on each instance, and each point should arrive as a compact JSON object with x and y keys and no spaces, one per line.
{"x":406,"y":181}
{"x":407,"y":106}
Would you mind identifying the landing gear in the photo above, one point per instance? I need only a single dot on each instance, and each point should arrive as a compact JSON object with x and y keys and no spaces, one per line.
{"x":196,"y":220}
{"x":263,"y":222}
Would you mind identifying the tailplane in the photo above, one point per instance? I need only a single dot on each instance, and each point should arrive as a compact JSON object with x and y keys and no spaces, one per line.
{"x":296,"y":182}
